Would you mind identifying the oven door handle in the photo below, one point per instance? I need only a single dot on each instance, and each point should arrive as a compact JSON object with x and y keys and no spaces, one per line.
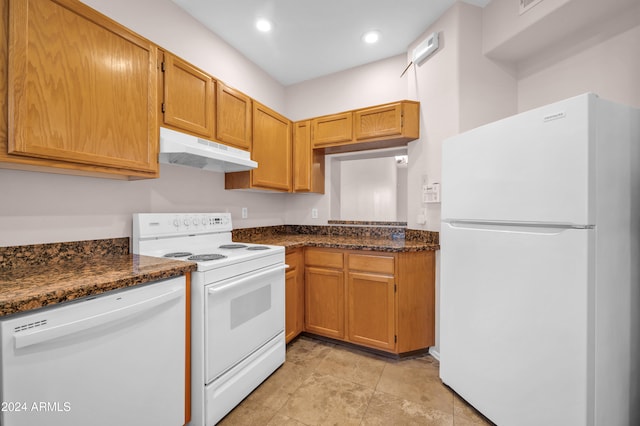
{"x":250,"y":277}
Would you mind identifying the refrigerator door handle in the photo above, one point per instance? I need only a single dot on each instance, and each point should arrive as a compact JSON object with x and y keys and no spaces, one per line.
{"x":523,"y":227}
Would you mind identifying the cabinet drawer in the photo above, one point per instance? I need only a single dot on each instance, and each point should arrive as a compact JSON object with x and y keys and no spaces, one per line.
{"x":371,"y":263}
{"x":325,"y":259}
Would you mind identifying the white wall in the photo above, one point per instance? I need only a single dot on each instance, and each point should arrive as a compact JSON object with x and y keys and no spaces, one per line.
{"x":368,"y":189}
{"x":604,"y":60}
{"x":371,"y":84}
{"x":42,"y":207}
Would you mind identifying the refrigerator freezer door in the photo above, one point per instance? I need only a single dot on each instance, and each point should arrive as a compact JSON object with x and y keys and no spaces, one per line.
{"x":514,"y":320}
{"x":532,"y":167}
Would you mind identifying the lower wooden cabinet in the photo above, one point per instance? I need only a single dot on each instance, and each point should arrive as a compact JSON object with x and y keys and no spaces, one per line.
{"x":324,"y":301}
{"x":371,"y":309}
{"x":294,"y":294}
{"x":380,"y":300}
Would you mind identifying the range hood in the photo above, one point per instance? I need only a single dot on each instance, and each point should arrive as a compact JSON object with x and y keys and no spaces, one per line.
{"x":191,"y":151}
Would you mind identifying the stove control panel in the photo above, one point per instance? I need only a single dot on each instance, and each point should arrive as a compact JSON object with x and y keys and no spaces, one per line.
{"x":150,"y":225}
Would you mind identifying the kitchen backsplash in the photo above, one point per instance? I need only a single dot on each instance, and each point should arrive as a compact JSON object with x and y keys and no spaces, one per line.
{"x":39,"y":254}
{"x":347,"y":231}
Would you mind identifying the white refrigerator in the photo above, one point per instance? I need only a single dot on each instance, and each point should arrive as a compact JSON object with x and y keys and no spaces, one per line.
{"x":539,"y":290}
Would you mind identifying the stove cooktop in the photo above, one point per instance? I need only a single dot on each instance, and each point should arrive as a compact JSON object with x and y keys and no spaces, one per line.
{"x":204,"y":238}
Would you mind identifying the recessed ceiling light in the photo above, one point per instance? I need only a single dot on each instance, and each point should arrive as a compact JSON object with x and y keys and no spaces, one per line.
{"x":371,"y":37}
{"x":263,"y":25}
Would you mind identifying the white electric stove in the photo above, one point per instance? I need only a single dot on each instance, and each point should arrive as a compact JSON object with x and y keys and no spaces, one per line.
{"x":237,"y":305}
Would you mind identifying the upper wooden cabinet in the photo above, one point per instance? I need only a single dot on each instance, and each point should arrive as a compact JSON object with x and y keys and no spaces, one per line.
{"x":188,"y":102}
{"x":332,"y":129}
{"x":81,"y":94}
{"x":398,"y":119}
{"x":271,"y":148}
{"x":381,"y":126}
{"x":233,"y":117}
{"x":308,"y":163}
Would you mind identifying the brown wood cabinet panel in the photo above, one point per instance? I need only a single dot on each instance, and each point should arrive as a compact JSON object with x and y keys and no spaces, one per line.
{"x":331,"y":129}
{"x":291,"y":297}
{"x":294,"y":296}
{"x":400,"y":120}
{"x":372,"y":263}
{"x":82,"y":93}
{"x":379,"y":121}
{"x":416,"y":301}
{"x":324,"y":258}
{"x":233,"y":117}
{"x":271,"y":149}
{"x":308,"y":164}
{"x":388,"y":301}
{"x":188,"y":97}
{"x":324,"y":302}
{"x":371,"y":310}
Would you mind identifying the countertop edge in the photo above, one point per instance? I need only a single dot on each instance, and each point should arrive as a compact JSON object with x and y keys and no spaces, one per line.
{"x":79,"y":288}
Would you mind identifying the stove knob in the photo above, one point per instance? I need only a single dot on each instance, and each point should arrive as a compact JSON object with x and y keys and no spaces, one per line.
{"x":176,"y":223}
{"x":204,"y":221}
{"x":186,"y":222}
{"x":195,"y":221}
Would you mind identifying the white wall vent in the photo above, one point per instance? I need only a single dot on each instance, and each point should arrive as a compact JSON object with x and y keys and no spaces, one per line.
{"x":526,"y":5}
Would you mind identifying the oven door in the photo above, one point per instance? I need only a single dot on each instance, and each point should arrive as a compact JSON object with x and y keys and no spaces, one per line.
{"x":242,"y":314}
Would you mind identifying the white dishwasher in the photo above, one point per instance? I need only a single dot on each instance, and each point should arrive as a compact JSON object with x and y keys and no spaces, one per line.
{"x":115,"y":359}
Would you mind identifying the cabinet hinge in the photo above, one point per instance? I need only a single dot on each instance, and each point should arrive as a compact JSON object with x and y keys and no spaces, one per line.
{"x":163,"y":107}
{"x":162,"y":66}
{"x":402,"y":120}
{"x":395,"y":288}
{"x":395,"y":339}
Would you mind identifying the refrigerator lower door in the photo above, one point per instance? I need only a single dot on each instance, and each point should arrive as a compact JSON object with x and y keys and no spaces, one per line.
{"x":515,"y":322}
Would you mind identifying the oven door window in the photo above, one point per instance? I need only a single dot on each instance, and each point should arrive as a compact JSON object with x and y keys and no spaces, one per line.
{"x":242,"y":314}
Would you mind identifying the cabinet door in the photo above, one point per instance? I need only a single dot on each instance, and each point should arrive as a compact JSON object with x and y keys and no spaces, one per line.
{"x":379,"y":121}
{"x":294,"y":297}
{"x":233,"y":117}
{"x":324,"y":302}
{"x":188,"y":97}
{"x":82,"y":89}
{"x":291,"y":305}
{"x":308,"y":164}
{"x":332,"y":129}
{"x":371,"y":307}
{"x":271,"y":148}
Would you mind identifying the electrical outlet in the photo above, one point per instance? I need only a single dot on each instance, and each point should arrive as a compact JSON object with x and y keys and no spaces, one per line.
{"x":245,"y":213}
{"x":314,"y":213}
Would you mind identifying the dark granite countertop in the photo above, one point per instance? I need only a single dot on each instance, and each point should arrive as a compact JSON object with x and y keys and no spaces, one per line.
{"x":36,"y":276}
{"x":344,"y":242}
{"x":353,"y":238}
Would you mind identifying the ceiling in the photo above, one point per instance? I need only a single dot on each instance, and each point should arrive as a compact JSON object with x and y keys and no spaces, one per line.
{"x":312,"y":38}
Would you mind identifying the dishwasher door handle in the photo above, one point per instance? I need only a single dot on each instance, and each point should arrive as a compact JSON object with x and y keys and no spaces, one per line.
{"x":23,"y":339}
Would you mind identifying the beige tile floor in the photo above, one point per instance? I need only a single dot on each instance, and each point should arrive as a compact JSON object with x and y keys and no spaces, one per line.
{"x":326,"y":384}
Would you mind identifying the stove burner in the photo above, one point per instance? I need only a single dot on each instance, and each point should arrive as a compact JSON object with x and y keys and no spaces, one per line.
{"x":178,"y":254}
{"x":258,"y":248}
{"x":232,"y":246}
{"x":206,"y":257}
